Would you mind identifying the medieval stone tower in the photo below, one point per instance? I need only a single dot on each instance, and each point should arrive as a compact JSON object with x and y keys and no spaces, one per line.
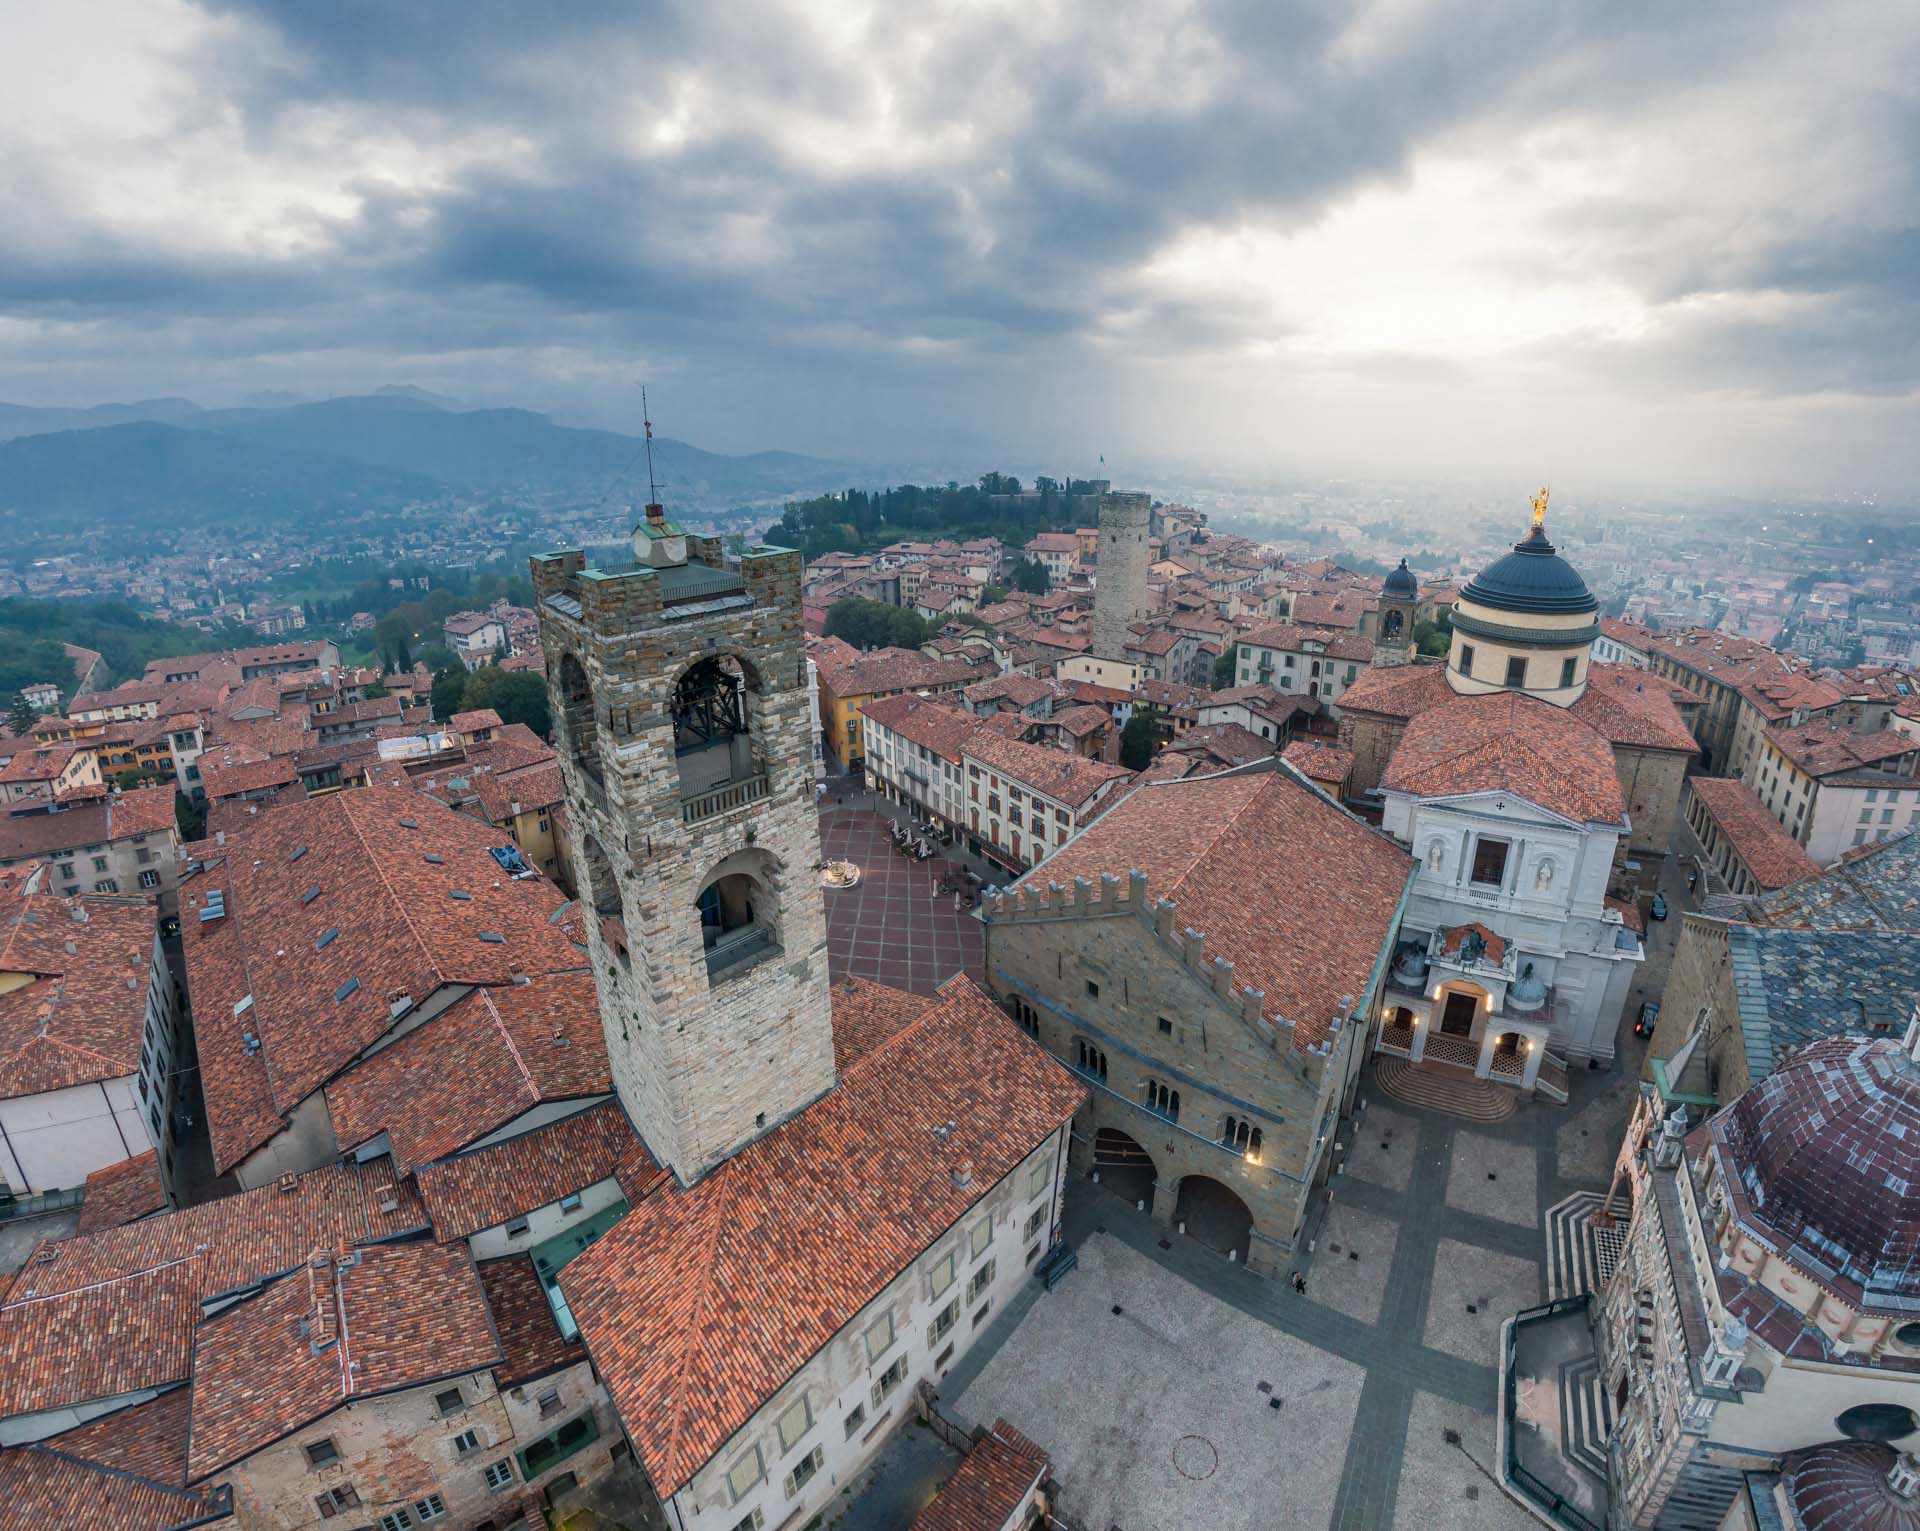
{"x":679,"y":696}
{"x":1399,"y":599}
{"x":1120,"y":578}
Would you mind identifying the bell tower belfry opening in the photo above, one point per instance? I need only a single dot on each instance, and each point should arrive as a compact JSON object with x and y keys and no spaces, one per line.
{"x":679,"y":695}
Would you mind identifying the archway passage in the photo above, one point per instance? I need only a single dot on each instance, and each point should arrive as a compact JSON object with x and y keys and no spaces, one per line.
{"x":739,"y":911}
{"x":577,"y":717}
{"x":1215,"y":1215}
{"x":1125,"y":1167}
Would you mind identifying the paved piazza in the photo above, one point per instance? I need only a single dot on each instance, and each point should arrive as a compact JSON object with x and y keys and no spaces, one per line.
{"x":1385,"y":1369}
{"x":889,"y":926}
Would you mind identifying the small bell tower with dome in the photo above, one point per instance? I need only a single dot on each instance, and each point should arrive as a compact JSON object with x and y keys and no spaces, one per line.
{"x":1399,"y":597}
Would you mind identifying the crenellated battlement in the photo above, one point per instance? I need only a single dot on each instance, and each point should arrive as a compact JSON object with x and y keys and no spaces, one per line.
{"x":1084,"y":900}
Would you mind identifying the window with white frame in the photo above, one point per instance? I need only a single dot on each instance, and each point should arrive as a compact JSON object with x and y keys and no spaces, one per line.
{"x":943,"y":1273}
{"x":1039,"y":1178}
{"x":430,"y":1508}
{"x":980,"y":1238}
{"x":396,"y":1520}
{"x":980,"y":1280}
{"x":879,"y":1336}
{"x":499,"y":1474}
{"x":888,"y":1380}
{"x":855,"y":1418}
{"x":466,"y":1443}
{"x":804,"y":1469}
{"x":943,"y":1323}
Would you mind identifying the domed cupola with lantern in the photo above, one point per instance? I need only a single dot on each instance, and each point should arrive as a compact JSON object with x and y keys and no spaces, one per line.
{"x":1525,"y":623}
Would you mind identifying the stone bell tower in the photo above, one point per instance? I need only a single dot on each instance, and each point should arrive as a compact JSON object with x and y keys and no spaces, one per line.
{"x":679,"y":696}
{"x":1399,"y":599}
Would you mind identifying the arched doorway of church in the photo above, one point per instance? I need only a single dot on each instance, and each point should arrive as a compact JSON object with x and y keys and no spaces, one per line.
{"x":1215,"y":1215}
{"x":1124,"y":1167}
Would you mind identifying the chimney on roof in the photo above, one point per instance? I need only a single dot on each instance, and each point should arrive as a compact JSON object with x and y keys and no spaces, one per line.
{"x":963,"y":1173}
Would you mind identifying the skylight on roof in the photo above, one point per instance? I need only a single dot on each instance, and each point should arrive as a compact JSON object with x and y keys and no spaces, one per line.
{"x":461,"y":894}
{"x":311,"y":894}
{"x":408,"y":824}
{"x":432,"y":860}
{"x":493,"y":938}
{"x":350,"y":987}
{"x":327,"y":938}
{"x":296,"y":853}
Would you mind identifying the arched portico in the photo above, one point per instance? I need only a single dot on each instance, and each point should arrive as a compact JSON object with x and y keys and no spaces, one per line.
{"x":1213,"y":1213}
{"x":1124,"y":1166}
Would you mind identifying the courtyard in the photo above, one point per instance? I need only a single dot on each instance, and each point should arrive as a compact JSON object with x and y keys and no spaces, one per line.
{"x":892,"y":926}
{"x":1174,"y":1389}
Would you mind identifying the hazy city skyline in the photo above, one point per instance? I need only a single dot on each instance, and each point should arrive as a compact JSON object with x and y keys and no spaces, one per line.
{"x":1603,"y":242}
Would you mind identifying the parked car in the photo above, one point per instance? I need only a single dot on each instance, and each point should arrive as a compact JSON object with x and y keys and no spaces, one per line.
{"x":1659,"y":908}
{"x":1649,"y":1018}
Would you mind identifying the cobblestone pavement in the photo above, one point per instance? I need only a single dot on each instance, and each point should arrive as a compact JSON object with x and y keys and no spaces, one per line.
{"x":891,"y":926}
{"x":1432,"y":1237}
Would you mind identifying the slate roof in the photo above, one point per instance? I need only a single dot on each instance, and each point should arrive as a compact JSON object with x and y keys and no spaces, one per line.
{"x":402,"y":1315}
{"x":82,"y":1017}
{"x":1509,"y":742}
{"x":1766,"y":850}
{"x":702,"y":1301}
{"x":123,"y":1193}
{"x":1296,"y":892}
{"x":128,"y":1469}
{"x":1798,"y":986}
{"x":530,"y":1343}
{"x":993,"y":1479}
{"x":484,"y":1187}
{"x":1876,"y":888}
{"x":492,"y":1055}
{"x":325,"y":972}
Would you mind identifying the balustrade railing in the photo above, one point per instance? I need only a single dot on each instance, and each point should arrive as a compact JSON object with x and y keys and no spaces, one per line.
{"x":724,"y":798}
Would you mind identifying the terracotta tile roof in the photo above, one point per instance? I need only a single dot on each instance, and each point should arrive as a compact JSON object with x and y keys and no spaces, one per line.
{"x":1021,"y":690}
{"x":1629,"y":913}
{"x":1228,"y":743}
{"x":855,"y":674}
{"x":1767,"y":680}
{"x":123,"y":1193}
{"x":1632,"y":635}
{"x":1081,"y":721}
{"x":530,"y":1342}
{"x":128,"y":1469}
{"x":1293,"y":638}
{"x":1325,"y":763}
{"x":701,"y":1302}
{"x":42,"y":764}
{"x":324,"y":972}
{"x":1496,"y":946}
{"x":1100,"y":696}
{"x":485,"y":1187}
{"x":118,"y":1336}
{"x":1228,"y":850}
{"x":229,"y":779}
{"x":1823,"y":748}
{"x":402,"y":1315}
{"x":1628,"y":706}
{"x":232,"y":1242}
{"x":81,"y":1018}
{"x":37,"y":832}
{"x":867,"y":1015}
{"x":492,"y":1055}
{"x":1343,"y":610}
{"x":1400,"y":692}
{"x":468,"y":722}
{"x":927,"y":721}
{"x":1171,"y":696}
{"x":1509,"y":742}
{"x":992,"y":1482}
{"x":144,"y":811}
{"x":1059,"y":774}
{"x":504,"y":795}
{"x":1766,"y":850}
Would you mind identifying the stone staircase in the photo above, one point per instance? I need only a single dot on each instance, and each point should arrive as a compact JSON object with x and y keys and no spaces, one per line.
{"x":1580,"y":1257}
{"x":1586,"y":1415}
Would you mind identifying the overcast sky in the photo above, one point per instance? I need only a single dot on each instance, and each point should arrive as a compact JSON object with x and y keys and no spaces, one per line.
{"x":1645,"y":242}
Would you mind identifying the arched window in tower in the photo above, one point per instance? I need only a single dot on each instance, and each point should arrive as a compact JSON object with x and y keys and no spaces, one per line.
{"x":578,"y":724}
{"x":1390,"y":625}
{"x":601,"y":889}
{"x":712,"y":741}
{"x":739,"y":911}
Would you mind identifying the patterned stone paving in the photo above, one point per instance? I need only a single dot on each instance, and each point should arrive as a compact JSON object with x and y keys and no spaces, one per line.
{"x":890,"y":926}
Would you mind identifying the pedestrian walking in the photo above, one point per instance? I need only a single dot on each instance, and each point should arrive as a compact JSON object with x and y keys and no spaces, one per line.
{"x":1299,"y":1283}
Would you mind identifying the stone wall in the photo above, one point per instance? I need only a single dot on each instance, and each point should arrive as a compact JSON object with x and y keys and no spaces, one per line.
{"x":702,"y":1065}
{"x":1372,"y":739}
{"x":1652,"y":782}
{"x":1120,"y":579}
{"x":1700,"y":978}
{"x":1113,"y":967}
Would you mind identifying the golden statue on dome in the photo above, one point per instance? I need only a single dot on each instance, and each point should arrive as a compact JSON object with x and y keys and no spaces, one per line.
{"x":1540,"y":507}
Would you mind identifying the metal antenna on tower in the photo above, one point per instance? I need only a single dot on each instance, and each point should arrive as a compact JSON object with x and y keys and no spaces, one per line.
{"x":653,"y":489}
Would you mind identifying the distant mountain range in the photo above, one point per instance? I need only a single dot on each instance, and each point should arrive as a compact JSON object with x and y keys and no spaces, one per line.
{"x":170,"y":457}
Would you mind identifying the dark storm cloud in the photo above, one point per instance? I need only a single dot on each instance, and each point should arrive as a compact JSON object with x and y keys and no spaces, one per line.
{"x":984,"y":184}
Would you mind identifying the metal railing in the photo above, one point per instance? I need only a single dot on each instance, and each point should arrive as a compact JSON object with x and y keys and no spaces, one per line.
{"x":1545,"y":1498}
{"x":725,"y":798}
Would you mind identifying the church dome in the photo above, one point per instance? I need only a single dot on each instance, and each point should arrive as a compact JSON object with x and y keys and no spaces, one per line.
{"x":1826,"y":1151}
{"x":1849,"y":1486}
{"x":1534,"y":579}
{"x":1400,"y":585}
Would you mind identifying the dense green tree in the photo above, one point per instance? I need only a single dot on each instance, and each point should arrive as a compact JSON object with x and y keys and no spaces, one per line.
{"x":402,"y":658}
{"x":1139,"y":739}
{"x":875,"y":624}
{"x":1432,"y":637}
{"x":992,"y":595}
{"x":519,"y":696}
{"x":1031,"y":576}
{"x":449,"y":687}
{"x":21,"y":717}
{"x":374,"y":692}
{"x":1223,"y":669}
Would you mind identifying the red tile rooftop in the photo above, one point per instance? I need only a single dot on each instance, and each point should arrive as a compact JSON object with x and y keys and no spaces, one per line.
{"x":1227,"y":850}
{"x":1065,"y":777}
{"x":1821,"y":748}
{"x":994,"y":1479}
{"x":81,"y":1016}
{"x":123,"y":1193}
{"x":1509,"y":742}
{"x":128,"y":1468}
{"x":702,"y":1301}
{"x":530,"y":1342}
{"x":1773,"y":857}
